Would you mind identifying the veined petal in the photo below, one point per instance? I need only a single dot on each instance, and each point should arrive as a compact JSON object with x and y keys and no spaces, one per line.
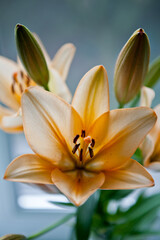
{"x":130,"y":176}
{"x":7,"y":69}
{"x":58,"y":87}
{"x":10,"y":121}
{"x":63,"y":59}
{"x":29,"y":168}
{"x":147,"y":96}
{"x":77,"y":185}
{"x":50,"y":125}
{"x":121,"y":131}
{"x":91,"y":98}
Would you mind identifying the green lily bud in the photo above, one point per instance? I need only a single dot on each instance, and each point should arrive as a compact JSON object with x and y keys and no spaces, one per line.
{"x":131,"y":67}
{"x":13,"y":237}
{"x":153,"y":74}
{"x":31,"y":56}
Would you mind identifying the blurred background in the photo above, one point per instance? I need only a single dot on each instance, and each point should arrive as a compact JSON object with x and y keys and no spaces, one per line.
{"x":99,"y":29}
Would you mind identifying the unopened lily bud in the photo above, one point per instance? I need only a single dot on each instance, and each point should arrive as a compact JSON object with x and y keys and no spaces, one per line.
{"x":31,"y":55}
{"x":13,"y":237}
{"x":131,"y":67}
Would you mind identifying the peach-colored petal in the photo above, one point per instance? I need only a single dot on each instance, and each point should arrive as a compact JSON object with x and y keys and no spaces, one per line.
{"x":29,"y":168}
{"x":50,"y":125}
{"x":77,"y":185}
{"x":118,"y":134}
{"x":154,"y":165}
{"x":91,"y":98}
{"x":10,"y":121}
{"x":58,"y":87}
{"x":63,"y":59}
{"x":130,"y":176}
{"x":155,"y":132}
{"x":147,"y":148}
{"x":147,"y":96}
{"x":7,"y":69}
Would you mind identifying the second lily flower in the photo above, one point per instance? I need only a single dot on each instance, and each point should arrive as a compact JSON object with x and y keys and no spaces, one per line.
{"x":14,"y":80}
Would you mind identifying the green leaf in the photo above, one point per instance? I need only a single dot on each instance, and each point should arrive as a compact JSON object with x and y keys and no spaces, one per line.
{"x":62,"y":204}
{"x":31,"y":56}
{"x":84,"y":217}
{"x":153,"y":74}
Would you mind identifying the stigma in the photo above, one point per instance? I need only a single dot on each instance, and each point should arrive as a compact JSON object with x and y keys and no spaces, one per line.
{"x":83,"y":147}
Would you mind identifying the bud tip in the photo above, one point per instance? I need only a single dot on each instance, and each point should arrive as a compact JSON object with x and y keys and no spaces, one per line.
{"x":141,"y":31}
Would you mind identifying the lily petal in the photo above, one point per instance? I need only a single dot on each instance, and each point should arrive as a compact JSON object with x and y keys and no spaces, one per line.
{"x":63,"y":59}
{"x":155,"y":132}
{"x":50,"y":125}
{"x":130,"y":176}
{"x":147,"y":148}
{"x":91,"y":98}
{"x":7,"y":69}
{"x":29,"y":168}
{"x":121,"y":131}
{"x":58,"y":87}
{"x":147,"y":96}
{"x":77,"y":185}
{"x":9,"y":121}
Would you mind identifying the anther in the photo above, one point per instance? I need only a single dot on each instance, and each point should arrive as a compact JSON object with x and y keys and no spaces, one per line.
{"x":12,"y":88}
{"x":22,"y":74}
{"x":28,"y":81}
{"x":76,"y":138}
{"x":20,"y":87}
{"x":91,"y":152}
{"x":83,"y":133}
{"x":92,"y":143}
{"x":81,"y":155}
{"x":15,"y":77}
{"x":75,"y":148}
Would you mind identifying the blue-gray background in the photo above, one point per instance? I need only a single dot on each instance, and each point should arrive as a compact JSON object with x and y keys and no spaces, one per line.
{"x":99,"y":29}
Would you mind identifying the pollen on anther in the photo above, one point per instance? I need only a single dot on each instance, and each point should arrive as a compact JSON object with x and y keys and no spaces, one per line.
{"x":76,"y":138}
{"x":22,"y":75}
{"x":83,"y":133}
{"x":92,"y":143}
{"x":91,"y":152}
{"x":75,"y":148}
{"x":81,"y":155}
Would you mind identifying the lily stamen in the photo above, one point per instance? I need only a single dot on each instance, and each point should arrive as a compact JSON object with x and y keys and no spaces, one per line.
{"x":83,"y":133}
{"x":81,"y":155}
{"x":75,"y":148}
{"x":76,"y":138}
{"x":91,"y":152}
{"x":92,"y":143}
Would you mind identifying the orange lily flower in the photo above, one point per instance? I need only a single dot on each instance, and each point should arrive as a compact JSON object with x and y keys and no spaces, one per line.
{"x":83,"y":146}
{"x":151,"y":145}
{"x":14,"y":80}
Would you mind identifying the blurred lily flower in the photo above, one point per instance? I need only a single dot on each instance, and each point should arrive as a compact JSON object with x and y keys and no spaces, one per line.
{"x":151,"y":145}
{"x":83,"y":146}
{"x":14,"y":80}
{"x":131,"y":67}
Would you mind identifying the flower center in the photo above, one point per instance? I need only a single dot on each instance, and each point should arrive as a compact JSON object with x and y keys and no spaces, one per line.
{"x":20,"y":82}
{"x":83,"y":147}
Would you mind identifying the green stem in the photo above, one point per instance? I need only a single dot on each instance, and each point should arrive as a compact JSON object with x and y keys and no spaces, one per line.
{"x":53,"y":226}
{"x":135,"y":101}
{"x":121,"y":105}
